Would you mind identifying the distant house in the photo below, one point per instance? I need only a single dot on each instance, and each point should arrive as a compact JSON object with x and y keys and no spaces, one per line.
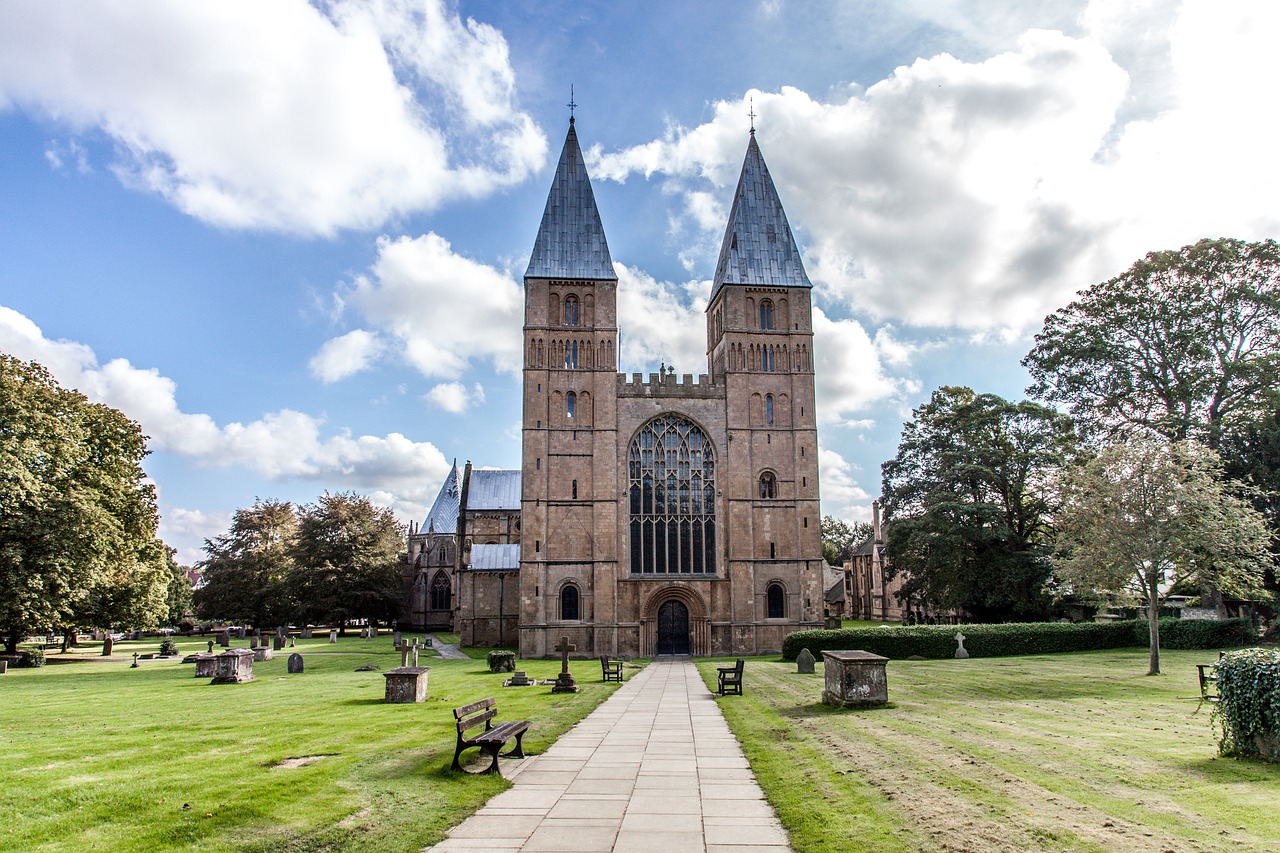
{"x":868,"y":593}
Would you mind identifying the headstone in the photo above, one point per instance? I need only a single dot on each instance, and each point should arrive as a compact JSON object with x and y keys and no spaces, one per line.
{"x":253,"y":642}
{"x":406,"y":684}
{"x":373,"y":631}
{"x":395,"y":639}
{"x":107,"y":645}
{"x":306,"y":632}
{"x":518,"y":679}
{"x":135,"y":661}
{"x":804,"y":662}
{"x":855,"y":679}
{"x":564,"y":681}
{"x":414,"y":652}
{"x":4,"y":667}
{"x":961,"y":652}
{"x":367,"y":634}
{"x":293,"y":641}
{"x":277,"y":643}
{"x":210,"y":647}
{"x":234,"y":666}
{"x":262,"y":653}
{"x":206,"y":665}
{"x":333,"y":635}
{"x":404,"y":655}
{"x":295,"y":664}
{"x":241,"y":633}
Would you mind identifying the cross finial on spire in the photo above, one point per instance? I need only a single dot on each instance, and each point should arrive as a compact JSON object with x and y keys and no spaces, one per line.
{"x":571,"y":105}
{"x":752,"y":114}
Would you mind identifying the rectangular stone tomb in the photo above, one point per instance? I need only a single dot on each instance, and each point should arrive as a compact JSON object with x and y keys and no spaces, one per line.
{"x":206,"y":665}
{"x":262,"y":653}
{"x":234,"y":666}
{"x":406,"y":684}
{"x":855,"y":679}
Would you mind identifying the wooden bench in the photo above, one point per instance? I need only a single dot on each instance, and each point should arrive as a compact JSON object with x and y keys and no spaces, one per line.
{"x":493,"y":737}
{"x":731,"y":678}
{"x":611,"y":669}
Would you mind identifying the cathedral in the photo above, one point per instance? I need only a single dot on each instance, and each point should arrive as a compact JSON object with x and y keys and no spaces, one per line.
{"x":656,"y":514}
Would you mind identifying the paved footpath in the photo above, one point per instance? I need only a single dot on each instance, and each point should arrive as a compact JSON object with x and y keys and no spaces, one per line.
{"x":654,"y":769}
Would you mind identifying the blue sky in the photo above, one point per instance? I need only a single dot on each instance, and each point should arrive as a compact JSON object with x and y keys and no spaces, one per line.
{"x":287,"y":238}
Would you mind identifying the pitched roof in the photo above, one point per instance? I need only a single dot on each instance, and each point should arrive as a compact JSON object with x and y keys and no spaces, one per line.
{"x":494,"y":558}
{"x":493,"y":490}
{"x":570,"y":242}
{"x":758,"y":247}
{"x":443,"y":517}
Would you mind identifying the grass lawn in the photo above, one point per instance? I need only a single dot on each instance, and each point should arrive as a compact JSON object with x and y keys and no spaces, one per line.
{"x":96,"y":755}
{"x":1055,"y":752}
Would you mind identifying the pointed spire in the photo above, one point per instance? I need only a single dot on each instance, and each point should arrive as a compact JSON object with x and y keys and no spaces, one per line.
{"x":758,"y":247}
{"x":570,"y":242}
{"x":443,"y":517}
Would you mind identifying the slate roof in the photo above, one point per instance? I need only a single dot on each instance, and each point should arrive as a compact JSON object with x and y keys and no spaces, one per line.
{"x":570,"y":242}
{"x":493,"y":490}
{"x":494,"y":558}
{"x":443,"y":517}
{"x":836,"y":593}
{"x":758,"y":247}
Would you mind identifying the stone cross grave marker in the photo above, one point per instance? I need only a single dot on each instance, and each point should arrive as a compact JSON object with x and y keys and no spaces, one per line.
{"x":961,"y":652}
{"x":414,"y":651}
{"x":210,"y":647}
{"x":804,"y":662}
{"x":564,"y":681}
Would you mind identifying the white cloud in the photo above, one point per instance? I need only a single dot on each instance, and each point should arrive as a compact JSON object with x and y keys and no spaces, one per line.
{"x":849,"y":369}
{"x":284,"y":115}
{"x":279,"y":445}
{"x":454,"y":397}
{"x":342,"y":356}
{"x":660,"y":322}
{"x":982,"y":194}
{"x":842,"y":495}
{"x":187,"y":529}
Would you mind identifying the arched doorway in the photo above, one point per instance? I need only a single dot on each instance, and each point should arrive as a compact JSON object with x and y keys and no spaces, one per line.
{"x":673,"y":628}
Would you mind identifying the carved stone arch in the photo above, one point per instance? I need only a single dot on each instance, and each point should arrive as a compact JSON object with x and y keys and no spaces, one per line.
{"x":589,"y":309}
{"x":699,"y":619}
{"x":568,"y":593}
{"x":751,"y":311}
{"x":782,"y":410}
{"x":585,"y":415}
{"x":775,"y":599}
{"x":553,"y":309}
{"x":755,"y":410}
{"x":783,"y":317}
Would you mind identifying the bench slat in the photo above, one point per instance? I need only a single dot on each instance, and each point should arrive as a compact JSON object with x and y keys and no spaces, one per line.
{"x":474,"y":706}
{"x":476,"y":720}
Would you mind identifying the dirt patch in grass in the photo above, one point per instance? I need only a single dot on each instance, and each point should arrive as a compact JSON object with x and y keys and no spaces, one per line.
{"x":302,"y":760}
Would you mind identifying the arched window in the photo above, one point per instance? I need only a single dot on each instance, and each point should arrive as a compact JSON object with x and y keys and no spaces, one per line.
{"x":775,"y":602}
{"x":440,"y":593}
{"x":569,"y":610}
{"x":574,"y":489}
{"x":767,"y":362}
{"x":443,"y":553}
{"x":768,"y":486}
{"x":766,"y":314}
{"x":672,"y":491}
{"x":768,"y":409}
{"x":571,"y":310}
{"x":571,"y":403}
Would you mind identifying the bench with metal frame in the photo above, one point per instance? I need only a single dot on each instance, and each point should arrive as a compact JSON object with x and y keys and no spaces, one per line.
{"x":492,"y":738}
{"x":730,"y":678}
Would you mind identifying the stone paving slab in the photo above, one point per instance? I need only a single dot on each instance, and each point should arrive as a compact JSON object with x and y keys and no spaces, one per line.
{"x":654,"y":769}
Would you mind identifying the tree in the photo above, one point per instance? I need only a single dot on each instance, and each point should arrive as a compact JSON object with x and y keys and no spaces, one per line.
{"x":840,"y":538}
{"x":1147,"y":513}
{"x":968,"y":506}
{"x":347,"y":559}
{"x":1182,"y":344}
{"x":78,"y":519}
{"x":179,"y":602}
{"x":246,"y":570}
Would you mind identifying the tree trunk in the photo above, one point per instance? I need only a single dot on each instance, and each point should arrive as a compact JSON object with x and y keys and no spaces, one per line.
{"x":1153,"y":624}
{"x":11,"y":641}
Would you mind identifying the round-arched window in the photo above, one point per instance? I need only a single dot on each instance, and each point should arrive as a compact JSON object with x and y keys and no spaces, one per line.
{"x":775,"y":602}
{"x":569,"y":604}
{"x":672,"y":490}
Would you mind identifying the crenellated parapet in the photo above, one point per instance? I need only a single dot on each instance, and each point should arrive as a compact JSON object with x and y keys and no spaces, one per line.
{"x":664,"y":384}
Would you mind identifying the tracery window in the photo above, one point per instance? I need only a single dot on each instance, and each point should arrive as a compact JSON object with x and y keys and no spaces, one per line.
{"x":569,"y":601}
{"x":672,"y":490}
{"x":440,"y":593}
{"x":768,"y":486}
{"x":571,"y":310}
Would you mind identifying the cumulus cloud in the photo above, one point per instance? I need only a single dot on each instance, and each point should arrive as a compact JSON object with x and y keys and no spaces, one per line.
{"x":842,"y":494}
{"x":342,"y":356}
{"x":982,"y":194}
{"x":660,"y":322}
{"x":281,"y":445}
{"x":454,"y":397}
{"x":286,"y":116}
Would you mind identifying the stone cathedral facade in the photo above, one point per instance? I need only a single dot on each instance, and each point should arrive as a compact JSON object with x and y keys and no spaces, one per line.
{"x":656,"y":514}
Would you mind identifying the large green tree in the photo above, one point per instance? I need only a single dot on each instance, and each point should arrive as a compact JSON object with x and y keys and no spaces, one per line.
{"x":840,"y":538}
{"x":247,"y":571}
{"x":968,"y":505}
{"x":78,"y":519}
{"x":1147,"y":513}
{"x":179,"y":600}
{"x":1183,"y":344}
{"x":347,"y":560}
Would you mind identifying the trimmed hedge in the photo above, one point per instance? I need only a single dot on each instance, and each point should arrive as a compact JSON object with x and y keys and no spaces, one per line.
{"x":1249,"y":708}
{"x":1018,"y":638}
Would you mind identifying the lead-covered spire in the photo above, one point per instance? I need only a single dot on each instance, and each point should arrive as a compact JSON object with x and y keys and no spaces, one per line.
{"x":570,"y":242}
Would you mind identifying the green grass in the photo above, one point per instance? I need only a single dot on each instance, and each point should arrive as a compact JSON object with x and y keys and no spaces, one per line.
{"x":96,"y":755}
{"x":1056,"y":752}
{"x":864,"y":623}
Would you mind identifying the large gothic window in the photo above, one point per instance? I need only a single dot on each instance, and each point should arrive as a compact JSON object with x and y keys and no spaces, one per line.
{"x":672,"y":489}
{"x":440,"y":594}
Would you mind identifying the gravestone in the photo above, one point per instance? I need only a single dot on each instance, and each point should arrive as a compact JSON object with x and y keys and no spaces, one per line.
{"x":395,"y":639}
{"x":501,"y":660}
{"x":107,"y":645}
{"x":406,"y":684}
{"x":135,"y":661}
{"x":277,"y":643}
{"x":224,"y":639}
{"x":373,"y":631}
{"x":206,"y":665}
{"x":4,"y":666}
{"x":855,"y":679}
{"x":262,"y":653}
{"x":518,"y":679}
{"x":293,"y":642}
{"x":253,"y":641}
{"x":306,"y":633}
{"x":414,"y":651}
{"x":240,"y":633}
{"x":210,"y":647}
{"x":804,"y":662}
{"x":962,"y":652}
{"x":333,"y":635}
{"x":295,"y":664}
{"x":564,"y":681}
{"x":404,"y":655}
{"x":234,"y":666}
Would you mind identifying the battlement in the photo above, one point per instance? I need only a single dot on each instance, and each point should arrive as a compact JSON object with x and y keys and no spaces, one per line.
{"x":669,"y":385}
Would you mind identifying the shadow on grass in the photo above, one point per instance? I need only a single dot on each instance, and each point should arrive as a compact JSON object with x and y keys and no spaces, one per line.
{"x":361,"y":702}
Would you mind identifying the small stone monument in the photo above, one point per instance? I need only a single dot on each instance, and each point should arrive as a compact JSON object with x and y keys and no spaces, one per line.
{"x":395,"y":639}
{"x":373,"y":631}
{"x":517,"y":679}
{"x":206,"y":665}
{"x":224,"y":639}
{"x":962,"y":652}
{"x":210,"y":647}
{"x":4,"y":666}
{"x":253,"y":642}
{"x":333,"y":635}
{"x":262,"y":653}
{"x":293,"y":641}
{"x":855,"y":679}
{"x":240,"y":634}
{"x":135,"y":661}
{"x":234,"y":666}
{"x":406,"y":684}
{"x":501,"y":660}
{"x":306,"y":632}
{"x":564,"y":681}
{"x":295,"y":664}
{"x":414,"y":652}
{"x":804,"y":662}
{"x":107,"y":645}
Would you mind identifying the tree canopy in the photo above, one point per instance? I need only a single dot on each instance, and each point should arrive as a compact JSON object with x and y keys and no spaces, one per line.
{"x":968,"y":504}
{"x":245,"y":569}
{"x":78,"y":518}
{"x":840,"y":538}
{"x":1148,"y":513}
{"x":1181,"y":344}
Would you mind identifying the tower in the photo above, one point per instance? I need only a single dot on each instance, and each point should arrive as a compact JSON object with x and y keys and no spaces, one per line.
{"x":569,"y":510}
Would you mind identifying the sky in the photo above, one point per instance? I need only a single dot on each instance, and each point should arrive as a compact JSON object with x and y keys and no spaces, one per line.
{"x":288,"y":238}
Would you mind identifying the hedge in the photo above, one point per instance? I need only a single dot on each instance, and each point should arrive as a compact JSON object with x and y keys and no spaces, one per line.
{"x":1024,"y":638}
{"x":1248,"y":710}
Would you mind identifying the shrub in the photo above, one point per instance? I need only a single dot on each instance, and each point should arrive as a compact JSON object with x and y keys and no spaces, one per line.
{"x":938,"y":641}
{"x":1248,"y":711}
{"x":31,"y":658}
{"x":168,"y":648}
{"x":1198,"y":633}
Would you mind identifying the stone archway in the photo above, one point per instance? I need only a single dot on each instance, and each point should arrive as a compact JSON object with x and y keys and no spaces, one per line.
{"x":675,"y":617}
{"x":673,"y":628}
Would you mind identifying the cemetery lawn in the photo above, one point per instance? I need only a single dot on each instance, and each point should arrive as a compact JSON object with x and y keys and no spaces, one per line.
{"x":98,"y":756}
{"x":1053,"y":752}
